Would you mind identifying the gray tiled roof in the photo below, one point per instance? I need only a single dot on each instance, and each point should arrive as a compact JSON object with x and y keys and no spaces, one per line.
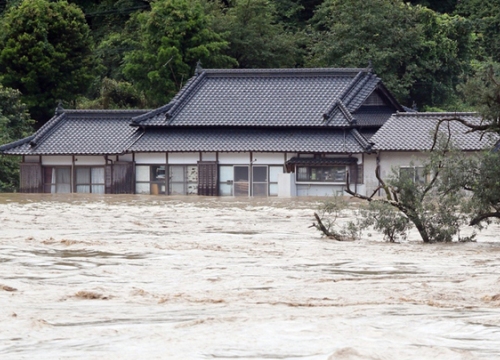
{"x":414,"y":132}
{"x":267,"y":97}
{"x":372,"y":115}
{"x":91,"y":132}
{"x":250,"y":139}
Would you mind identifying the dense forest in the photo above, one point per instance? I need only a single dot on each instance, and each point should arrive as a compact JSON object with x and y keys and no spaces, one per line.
{"x":138,"y":53}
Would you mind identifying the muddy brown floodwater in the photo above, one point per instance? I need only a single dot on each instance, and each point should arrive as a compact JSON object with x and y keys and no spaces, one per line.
{"x":146,"y":277}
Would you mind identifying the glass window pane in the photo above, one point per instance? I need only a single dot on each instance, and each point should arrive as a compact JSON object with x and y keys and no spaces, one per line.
{"x":260,"y":189}
{"x":177,"y":173}
{"x":241,"y":189}
{"x":259,"y":173}
{"x":406,"y":173}
{"x":273,"y":189}
{"x":302,"y":173}
{"x":192,"y":173}
{"x":82,"y":188}
{"x":63,"y":175}
{"x":63,"y":188}
{"x":82,"y":175}
{"x":226,"y":173}
{"x":419,"y":175}
{"x":142,"y":173}
{"x":192,"y":189}
{"x":177,"y":188}
{"x":241,"y":173}
{"x":340,"y":174}
{"x":97,"y":175}
{"x":158,"y":172}
{"x":314,"y":174}
{"x":49,"y":175}
{"x":98,"y":189}
{"x":225,"y":189}
{"x":142,"y":188}
{"x":273,"y":173}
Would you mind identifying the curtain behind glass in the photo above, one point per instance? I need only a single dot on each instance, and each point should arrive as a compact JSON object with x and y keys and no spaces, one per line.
{"x":97,"y":179}
{"x":63,"y":180}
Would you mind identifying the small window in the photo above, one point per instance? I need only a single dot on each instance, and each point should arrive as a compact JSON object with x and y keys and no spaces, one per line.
{"x":150,"y":179}
{"x":90,"y":180}
{"x":322,"y":173}
{"x":414,"y":173}
{"x":57,"y":179}
{"x":183,"y":180}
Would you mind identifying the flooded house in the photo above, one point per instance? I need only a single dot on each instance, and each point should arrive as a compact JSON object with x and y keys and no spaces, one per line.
{"x":255,"y":132}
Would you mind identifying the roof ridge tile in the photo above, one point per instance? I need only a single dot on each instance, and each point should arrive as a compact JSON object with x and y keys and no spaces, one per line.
{"x":46,"y":128}
{"x":187,"y":91}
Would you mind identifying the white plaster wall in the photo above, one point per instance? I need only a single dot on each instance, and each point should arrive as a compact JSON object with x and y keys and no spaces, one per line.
{"x":89,"y":160}
{"x":57,"y":160}
{"x":319,"y":190}
{"x":234,"y":158}
{"x":208,"y":156}
{"x":393,"y":159}
{"x":290,"y":155}
{"x":388,"y":160}
{"x":150,"y":158}
{"x":183,"y":158}
{"x":268,"y":158}
{"x":32,"y":159}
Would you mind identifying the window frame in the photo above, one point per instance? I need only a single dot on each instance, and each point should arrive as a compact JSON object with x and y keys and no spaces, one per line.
{"x":90,"y":184}
{"x":316,"y":176}
{"x":422,"y":179}
{"x":155,"y":182}
{"x":47,"y":185}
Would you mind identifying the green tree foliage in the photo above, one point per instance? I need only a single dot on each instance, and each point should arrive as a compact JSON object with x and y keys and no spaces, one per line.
{"x":114,"y":94}
{"x":419,"y":54}
{"x":46,"y":53}
{"x":109,"y":16}
{"x":256,"y":38}
{"x":387,"y":219}
{"x":477,"y":177}
{"x":296,"y":13}
{"x":485,"y":15}
{"x":482,"y":92}
{"x":428,"y":203}
{"x":15,"y":123}
{"x":173,"y":36}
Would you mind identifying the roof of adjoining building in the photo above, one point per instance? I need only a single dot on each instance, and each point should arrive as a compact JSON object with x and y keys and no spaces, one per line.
{"x":324,"y":97}
{"x":251,"y":139}
{"x":91,"y":132}
{"x":415,"y":132}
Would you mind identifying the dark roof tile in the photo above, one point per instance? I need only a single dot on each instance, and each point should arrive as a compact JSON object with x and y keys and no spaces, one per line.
{"x":267,"y":97}
{"x":249,"y":139}
{"x":414,"y":132}
{"x":81,"y":132}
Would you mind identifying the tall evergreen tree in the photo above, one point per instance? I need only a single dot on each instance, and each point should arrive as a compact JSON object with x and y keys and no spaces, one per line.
{"x":46,"y":53}
{"x":15,"y":123}
{"x":172,"y":37}
{"x":420,"y":54}
{"x":256,"y":38}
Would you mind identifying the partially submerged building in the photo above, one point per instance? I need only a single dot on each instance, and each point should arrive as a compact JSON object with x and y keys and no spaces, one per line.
{"x":270,"y":132}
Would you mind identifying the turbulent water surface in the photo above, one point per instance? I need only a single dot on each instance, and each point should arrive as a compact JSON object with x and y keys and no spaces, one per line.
{"x":209,"y":278}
